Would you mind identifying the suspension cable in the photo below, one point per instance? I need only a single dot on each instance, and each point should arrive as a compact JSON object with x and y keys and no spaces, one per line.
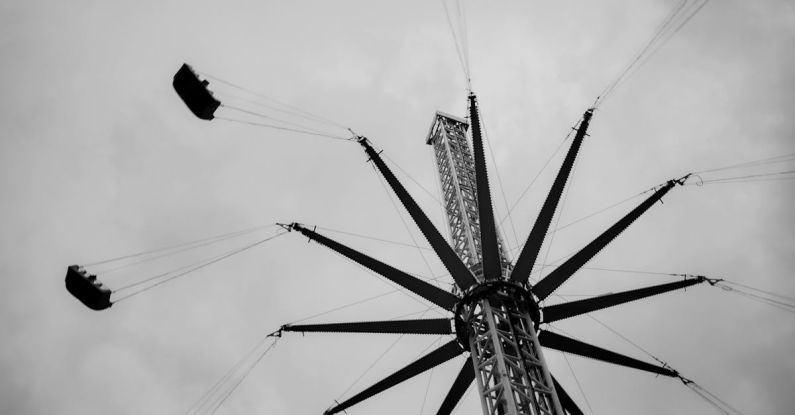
{"x":716,"y":402}
{"x":298,"y":111}
{"x":430,"y":377}
{"x":428,"y":192}
{"x":168,"y":253}
{"x":499,"y":183}
{"x":462,"y":21}
{"x":165,"y":277}
{"x":773,"y":176}
{"x":402,"y":219}
{"x":373,"y":238}
{"x":559,"y":214}
{"x":461,"y":55}
{"x":358,"y":302}
{"x":549,"y":160}
{"x":277,"y":127}
{"x":213,"y":398}
{"x":579,"y":386}
{"x":711,"y":398}
{"x":378,"y":359}
{"x":590,"y":215}
{"x":752,"y":163}
{"x":680,"y":15}
{"x":179,"y":245}
{"x":296,"y":125}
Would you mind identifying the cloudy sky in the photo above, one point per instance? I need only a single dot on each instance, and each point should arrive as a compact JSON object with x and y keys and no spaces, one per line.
{"x":100,"y":158}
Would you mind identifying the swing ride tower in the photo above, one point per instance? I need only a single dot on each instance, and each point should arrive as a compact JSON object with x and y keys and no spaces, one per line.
{"x":495,"y":324}
{"x":496,"y":312}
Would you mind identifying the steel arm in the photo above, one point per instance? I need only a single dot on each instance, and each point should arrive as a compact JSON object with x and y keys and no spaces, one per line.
{"x":488,"y":232}
{"x":432,"y":359}
{"x":566,"y":401}
{"x":427,"y":326}
{"x":460,"y":273}
{"x":524,"y":264}
{"x":551,"y":282}
{"x":460,"y":386}
{"x":569,"y":345}
{"x":427,"y":291}
{"x":575,"y":308}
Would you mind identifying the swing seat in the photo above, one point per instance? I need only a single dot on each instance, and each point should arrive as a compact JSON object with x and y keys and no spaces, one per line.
{"x":87,"y":288}
{"x":194,"y":93}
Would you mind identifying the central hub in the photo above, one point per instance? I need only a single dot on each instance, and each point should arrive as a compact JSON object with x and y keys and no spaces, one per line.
{"x":503,"y":294}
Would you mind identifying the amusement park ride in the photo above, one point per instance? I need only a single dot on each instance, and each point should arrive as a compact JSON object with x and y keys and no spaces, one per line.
{"x":495,"y":312}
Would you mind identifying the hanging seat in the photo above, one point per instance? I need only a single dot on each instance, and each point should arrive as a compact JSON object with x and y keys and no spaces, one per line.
{"x":87,"y":288}
{"x":195,"y":93}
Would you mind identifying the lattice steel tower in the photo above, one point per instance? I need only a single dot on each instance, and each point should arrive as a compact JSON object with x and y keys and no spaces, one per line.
{"x":512,"y":376}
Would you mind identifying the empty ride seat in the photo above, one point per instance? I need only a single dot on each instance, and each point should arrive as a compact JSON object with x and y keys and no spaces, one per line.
{"x":195,"y":93}
{"x":87,"y":288}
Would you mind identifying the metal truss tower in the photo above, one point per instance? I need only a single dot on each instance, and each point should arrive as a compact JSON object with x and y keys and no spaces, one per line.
{"x":511,"y":373}
{"x":458,"y":182}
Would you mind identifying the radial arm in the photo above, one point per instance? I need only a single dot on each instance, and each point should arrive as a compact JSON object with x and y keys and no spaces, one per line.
{"x":575,"y":308}
{"x":427,"y":291}
{"x":427,"y":326}
{"x":524,"y":264}
{"x":432,"y":359}
{"x":460,"y":386}
{"x":569,"y":345}
{"x":488,"y":231}
{"x":460,"y":273}
{"x":566,"y":401}
{"x":551,"y":282}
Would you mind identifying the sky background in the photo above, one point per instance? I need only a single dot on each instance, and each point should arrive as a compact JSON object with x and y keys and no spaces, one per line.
{"x":100,"y":158}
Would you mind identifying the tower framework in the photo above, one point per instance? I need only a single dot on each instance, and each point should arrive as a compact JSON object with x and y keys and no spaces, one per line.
{"x":511,"y":373}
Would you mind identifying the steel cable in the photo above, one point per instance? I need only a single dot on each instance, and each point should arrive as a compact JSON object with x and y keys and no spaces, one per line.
{"x":176,"y":246}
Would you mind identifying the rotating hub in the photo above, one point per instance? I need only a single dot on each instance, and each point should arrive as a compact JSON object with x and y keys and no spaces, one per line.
{"x":504,"y":294}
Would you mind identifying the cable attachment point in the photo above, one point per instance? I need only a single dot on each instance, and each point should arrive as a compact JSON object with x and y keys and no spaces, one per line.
{"x":286,"y":226}
{"x":701,"y":278}
{"x":681,"y":181}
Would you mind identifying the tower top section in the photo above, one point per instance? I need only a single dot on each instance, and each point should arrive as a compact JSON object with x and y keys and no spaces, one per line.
{"x":439,"y":121}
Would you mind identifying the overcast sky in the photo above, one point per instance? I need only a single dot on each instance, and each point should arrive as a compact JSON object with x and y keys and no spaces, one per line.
{"x":100,"y":158}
